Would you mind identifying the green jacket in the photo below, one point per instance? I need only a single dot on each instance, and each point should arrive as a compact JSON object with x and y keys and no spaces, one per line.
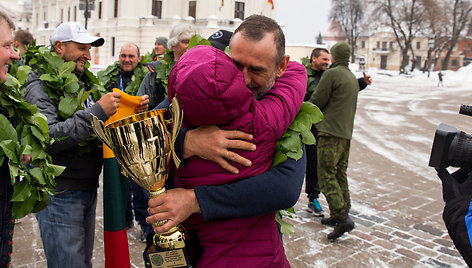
{"x":336,"y":95}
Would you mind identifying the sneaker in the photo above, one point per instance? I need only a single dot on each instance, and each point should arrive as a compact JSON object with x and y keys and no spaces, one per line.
{"x":315,"y":208}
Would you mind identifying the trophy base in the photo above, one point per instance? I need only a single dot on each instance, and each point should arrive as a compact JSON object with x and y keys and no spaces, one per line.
{"x":169,"y":258}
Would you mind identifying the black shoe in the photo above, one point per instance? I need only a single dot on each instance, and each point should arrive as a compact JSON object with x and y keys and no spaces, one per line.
{"x":142,"y":236}
{"x":341,"y":227}
{"x":328,"y":221}
{"x":129,"y":224}
{"x":145,"y":229}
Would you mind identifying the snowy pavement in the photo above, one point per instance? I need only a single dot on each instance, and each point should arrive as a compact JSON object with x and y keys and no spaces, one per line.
{"x":396,"y":198}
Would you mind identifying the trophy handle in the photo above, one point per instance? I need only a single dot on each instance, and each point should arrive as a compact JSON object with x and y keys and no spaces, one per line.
{"x":99,"y":129}
{"x":177,"y":117}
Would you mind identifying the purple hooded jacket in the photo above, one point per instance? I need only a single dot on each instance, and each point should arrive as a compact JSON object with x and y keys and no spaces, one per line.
{"x":212,"y":91}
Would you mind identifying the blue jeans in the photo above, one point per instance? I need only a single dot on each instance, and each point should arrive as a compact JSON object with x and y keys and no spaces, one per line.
{"x":67,"y":227}
{"x":138,"y":199}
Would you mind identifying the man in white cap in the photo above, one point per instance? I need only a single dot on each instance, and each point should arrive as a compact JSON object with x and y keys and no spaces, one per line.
{"x":67,"y":224}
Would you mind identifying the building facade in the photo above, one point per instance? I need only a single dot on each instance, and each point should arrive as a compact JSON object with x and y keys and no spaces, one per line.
{"x":381,"y":51}
{"x":20,"y":11}
{"x":139,"y":21}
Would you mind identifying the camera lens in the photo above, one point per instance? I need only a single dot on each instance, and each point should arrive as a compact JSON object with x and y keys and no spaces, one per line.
{"x":460,"y":151}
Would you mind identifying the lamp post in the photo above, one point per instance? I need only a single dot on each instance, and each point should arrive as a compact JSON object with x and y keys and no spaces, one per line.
{"x":87,"y":6}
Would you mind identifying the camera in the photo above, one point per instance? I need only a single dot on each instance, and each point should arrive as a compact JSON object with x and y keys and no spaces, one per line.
{"x":452,"y":147}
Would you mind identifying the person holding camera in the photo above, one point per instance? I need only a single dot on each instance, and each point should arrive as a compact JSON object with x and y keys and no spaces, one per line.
{"x":457,"y":214}
{"x":452,"y":148}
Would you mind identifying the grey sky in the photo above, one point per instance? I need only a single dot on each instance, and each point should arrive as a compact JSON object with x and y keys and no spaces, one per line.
{"x":302,"y":20}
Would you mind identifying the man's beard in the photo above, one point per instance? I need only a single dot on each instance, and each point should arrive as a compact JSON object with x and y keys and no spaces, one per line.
{"x":259,"y":92}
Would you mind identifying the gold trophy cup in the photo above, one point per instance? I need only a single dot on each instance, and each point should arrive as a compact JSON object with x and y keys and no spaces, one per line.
{"x":143,"y":146}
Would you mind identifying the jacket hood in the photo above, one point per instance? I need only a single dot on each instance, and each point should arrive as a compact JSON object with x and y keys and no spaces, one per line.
{"x":341,"y":52}
{"x":209,"y":86}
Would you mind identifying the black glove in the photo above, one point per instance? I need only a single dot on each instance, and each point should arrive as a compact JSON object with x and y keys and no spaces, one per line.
{"x":457,"y":184}
{"x":457,"y":194}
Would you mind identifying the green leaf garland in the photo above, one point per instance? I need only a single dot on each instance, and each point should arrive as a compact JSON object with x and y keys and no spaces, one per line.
{"x":111,"y":74}
{"x":63,"y":85}
{"x":291,"y":145}
{"x":31,"y":136}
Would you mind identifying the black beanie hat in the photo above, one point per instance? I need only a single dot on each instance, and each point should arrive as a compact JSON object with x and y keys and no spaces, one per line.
{"x":220,"y":39}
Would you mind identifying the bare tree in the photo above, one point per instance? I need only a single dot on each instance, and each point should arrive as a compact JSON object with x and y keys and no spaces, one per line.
{"x":349,"y":14}
{"x":437,"y":30}
{"x":405,"y":18}
{"x":460,"y":11}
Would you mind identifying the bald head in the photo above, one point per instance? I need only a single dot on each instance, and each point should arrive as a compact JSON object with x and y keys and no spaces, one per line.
{"x":129,"y":57}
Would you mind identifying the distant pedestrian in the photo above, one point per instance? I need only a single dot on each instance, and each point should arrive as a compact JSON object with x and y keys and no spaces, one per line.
{"x":440,"y":76}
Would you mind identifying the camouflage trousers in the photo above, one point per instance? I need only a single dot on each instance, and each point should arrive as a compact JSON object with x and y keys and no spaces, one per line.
{"x":333,"y":155}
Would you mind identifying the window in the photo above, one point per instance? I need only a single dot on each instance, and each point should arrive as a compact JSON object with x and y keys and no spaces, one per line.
{"x":75,"y":13}
{"x":239,"y":10}
{"x":384,"y":45}
{"x":68,"y":14}
{"x":363,"y":44}
{"x":157,"y":8}
{"x":454,"y":64}
{"x":115,"y":12}
{"x":391,"y":45}
{"x":378,"y":44}
{"x":112,"y":46}
{"x":192,"y":9}
{"x":62,"y":15}
{"x":100,"y":10}
{"x":418,"y":45}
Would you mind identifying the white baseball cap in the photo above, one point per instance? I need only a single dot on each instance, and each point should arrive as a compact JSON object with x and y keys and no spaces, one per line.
{"x":74,"y":31}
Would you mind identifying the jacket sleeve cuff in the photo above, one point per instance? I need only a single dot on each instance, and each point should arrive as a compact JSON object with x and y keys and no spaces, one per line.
{"x":98,"y":111}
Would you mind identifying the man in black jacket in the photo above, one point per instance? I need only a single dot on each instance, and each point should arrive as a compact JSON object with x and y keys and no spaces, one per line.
{"x":67,"y":224}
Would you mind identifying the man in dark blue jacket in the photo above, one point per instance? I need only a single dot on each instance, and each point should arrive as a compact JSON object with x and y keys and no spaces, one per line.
{"x":276,"y":189}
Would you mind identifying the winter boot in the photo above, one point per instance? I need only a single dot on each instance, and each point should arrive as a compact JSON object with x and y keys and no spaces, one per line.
{"x":331,"y":222}
{"x":343,"y":224}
